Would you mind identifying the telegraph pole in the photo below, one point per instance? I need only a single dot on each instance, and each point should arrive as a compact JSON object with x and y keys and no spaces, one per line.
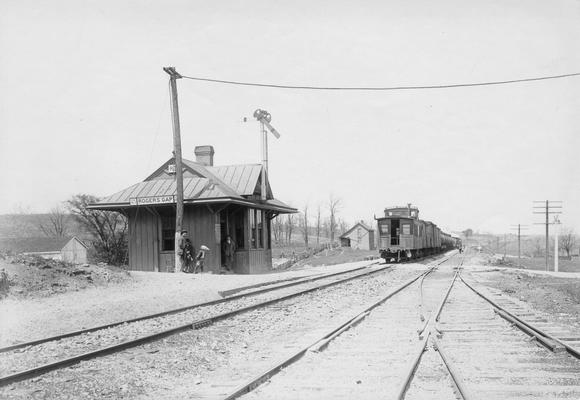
{"x":519,"y":228}
{"x":548,"y":208}
{"x":173,"y":76}
{"x":556,"y":233}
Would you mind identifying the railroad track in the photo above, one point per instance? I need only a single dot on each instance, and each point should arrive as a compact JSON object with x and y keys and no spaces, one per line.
{"x":38,"y":356}
{"x":361,"y":350}
{"x":469,"y":347}
{"x":486,"y":353}
{"x":227,"y":297}
{"x":502,"y":356}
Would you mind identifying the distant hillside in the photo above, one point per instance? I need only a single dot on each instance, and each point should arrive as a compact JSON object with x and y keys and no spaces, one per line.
{"x":28,"y":225}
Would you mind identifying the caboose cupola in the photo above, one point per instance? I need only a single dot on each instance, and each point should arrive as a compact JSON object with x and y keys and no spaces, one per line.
{"x":402,"y":211}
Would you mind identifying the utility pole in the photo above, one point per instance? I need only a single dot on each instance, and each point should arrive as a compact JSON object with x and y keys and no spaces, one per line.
{"x":519,"y":228}
{"x":547,"y":206}
{"x":556,"y":232}
{"x":173,"y":76}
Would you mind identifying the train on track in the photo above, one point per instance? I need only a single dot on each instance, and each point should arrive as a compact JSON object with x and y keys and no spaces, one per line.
{"x":403,"y":236}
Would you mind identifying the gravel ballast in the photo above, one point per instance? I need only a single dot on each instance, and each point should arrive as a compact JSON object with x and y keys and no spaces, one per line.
{"x":200,"y":361}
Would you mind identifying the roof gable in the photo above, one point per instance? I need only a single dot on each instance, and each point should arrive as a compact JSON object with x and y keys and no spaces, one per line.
{"x":193,"y":188}
{"x":200,"y":184}
{"x":358,"y":224}
{"x":163,"y":173}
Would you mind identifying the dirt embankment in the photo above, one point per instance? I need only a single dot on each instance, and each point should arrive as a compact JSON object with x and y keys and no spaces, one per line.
{"x":546,"y":293}
{"x":549,"y":292}
{"x":35,"y":277}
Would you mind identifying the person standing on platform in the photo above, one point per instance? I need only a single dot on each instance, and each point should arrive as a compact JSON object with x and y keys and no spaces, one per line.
{"x":182,"y":243}
{"x":228,"y":251}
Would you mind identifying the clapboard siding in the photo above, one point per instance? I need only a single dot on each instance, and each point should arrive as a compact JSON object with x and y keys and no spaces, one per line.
{"x":74,"y":252}
{"x":204,"y":228}
{"x":143,"y":240}
{"x":253,"y":261}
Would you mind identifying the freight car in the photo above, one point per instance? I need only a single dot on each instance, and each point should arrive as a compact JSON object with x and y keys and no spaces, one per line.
{"x":403,"y":236}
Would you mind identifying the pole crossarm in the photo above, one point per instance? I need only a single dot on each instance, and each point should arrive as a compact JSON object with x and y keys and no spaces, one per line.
{"x":172,"y":72}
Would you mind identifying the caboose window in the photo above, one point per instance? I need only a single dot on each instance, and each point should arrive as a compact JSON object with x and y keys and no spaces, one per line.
{"x":406,"y":229}
{"x":385,"y":228}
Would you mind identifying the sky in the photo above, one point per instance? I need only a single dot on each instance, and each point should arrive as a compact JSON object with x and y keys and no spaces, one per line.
{"x":84,"y":102}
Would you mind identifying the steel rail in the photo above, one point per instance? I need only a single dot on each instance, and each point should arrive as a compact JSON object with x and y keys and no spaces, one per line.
{"x":453,"y":373}
{"x":551,"y":345}
{"x":442,"y":303}
{"x":322,"y":342}
{"x":271,"y":371}
{"x":417,"y":359}
{"x":413,"y":365}
{"x":421,"y":316}
{"x":22,"y":375}
{"x":177,"y":310}
{"x":444,"y":300}
{"x":230,"y":292}
{"x":521,"y":323}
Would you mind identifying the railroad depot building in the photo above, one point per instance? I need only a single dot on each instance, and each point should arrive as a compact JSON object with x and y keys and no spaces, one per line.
{"x":218,"y":201}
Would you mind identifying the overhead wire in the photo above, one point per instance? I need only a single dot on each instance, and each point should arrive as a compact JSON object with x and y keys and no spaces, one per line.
{"x":380,"y":88}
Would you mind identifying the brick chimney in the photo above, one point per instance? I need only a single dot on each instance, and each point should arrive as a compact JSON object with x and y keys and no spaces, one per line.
{"x":204,"y":155}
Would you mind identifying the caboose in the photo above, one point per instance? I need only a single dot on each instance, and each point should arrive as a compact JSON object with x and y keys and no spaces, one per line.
{"x":403,"y":236}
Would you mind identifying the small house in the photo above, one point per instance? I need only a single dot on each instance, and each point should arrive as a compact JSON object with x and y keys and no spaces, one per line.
{"x":69,"y":249}
{"x":219,"y":201}
{"x":360,"y":236}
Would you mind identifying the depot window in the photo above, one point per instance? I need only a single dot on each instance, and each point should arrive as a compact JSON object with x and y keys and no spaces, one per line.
{"x":252,"y":228}
{"x":257,"y":228}
{"x":167,"y":233}
{"x":239,"y":225}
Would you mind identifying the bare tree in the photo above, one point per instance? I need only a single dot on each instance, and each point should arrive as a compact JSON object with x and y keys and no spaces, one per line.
{"x":304,"y":224}
{"x":326,"y":227}
{"x":109,"y":228}
{"x":334,"y":204}
{"x":290,"y":224}
{"x":342,"y":226}
{"x":277,"y":227}
{"x":567,"y":240}
{"x":318,"y":226}
{"x":57,"y":224}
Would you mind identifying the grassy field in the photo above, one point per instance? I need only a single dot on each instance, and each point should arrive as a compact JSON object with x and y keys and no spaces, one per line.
{"x":539,"y":264}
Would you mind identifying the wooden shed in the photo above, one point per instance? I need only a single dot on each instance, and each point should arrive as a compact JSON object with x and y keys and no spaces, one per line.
{"x":360,"y":236}
{"x":69,"y":249}
{"x":218,"y":201}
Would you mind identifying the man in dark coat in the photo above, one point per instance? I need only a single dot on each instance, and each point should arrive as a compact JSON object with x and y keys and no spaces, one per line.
{"x":182,"y":244}
{"x":228,"y":251}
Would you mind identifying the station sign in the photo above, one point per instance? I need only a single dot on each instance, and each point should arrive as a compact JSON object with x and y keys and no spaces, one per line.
{"x":145,"y":201}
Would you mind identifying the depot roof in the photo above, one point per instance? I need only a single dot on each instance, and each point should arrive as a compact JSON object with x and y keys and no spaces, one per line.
{"x":202,"y":184}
